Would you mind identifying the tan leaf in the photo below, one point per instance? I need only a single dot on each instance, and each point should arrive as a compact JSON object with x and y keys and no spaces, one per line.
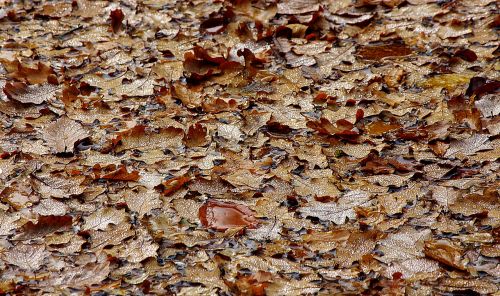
{"x":59,"y":186}
{"x":446,"y":253}
{"x":469,"y":146}
{"x":28,"y":257}
{"x":80,"y":276}
{"x":415,"y":268}
{"x":113,"y":235}
{"x":7,"y":222}
{"x":407,"y":243}
{"x":139,"y":249}
{"x":337,"y":212}
{"x":51,"y":207}
{"x":103,"y":217}
{"x":62,"y":135}
{"x":297,"y":6}
{"x":35,"y":94}
{"x":358,"y":245}
{"x":143,"y":201}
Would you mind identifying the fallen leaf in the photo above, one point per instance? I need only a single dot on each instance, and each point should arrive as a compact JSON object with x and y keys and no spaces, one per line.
{"x":45,"y":225}
{"x":117,"y":17}
{"x":121,"y":174}
{"x":337,"y":212}
{"x":377,"y":52}
{"x":143,"y":201}
{"x":7,"y":222}
{"x":469,"y":146}
{"x":103,"y":217}
{"x":62,"y":134}
{"x":446,"y":253}
{"x":34,"y":94}
{"x":297,"y":6}
{"x":27,"y":257}
{"x":221,"y":215}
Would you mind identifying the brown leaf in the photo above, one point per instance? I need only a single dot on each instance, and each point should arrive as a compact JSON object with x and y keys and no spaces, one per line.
{"x":143,"y":201}
{"x":446,"y":253}
{"x":475,"y":204}
{"x":377,"y":52}
{"x":469,"y":146}
{"x":80,"y":276}
{"x":466,"y":55}
{"x":45,"y":225}
{"x":27,"y":257}
{"x":112,"y":236}
{"x":121,"y":174}
{"x":484,"y":287}
{"x":38,"y":75}
{"x":221,"y":215}
{"x":117,"y":17}
{"x":337,"y":212}
{"x":379,"y":127}
{"x":358,"y":245}
{"x":138,"y":138}
{"x":34,"y":94}
{"x":103,"y":217}
{"x":62,"y":134}
{"x":297,"y":6}
{"x":196,"y":136}
{"x":7,"y":222}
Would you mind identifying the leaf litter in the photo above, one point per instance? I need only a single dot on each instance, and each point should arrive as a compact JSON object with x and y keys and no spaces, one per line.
{"x":283,"y":147}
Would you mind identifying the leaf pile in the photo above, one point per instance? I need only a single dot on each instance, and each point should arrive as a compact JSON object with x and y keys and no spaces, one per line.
{"x":291,"y":147}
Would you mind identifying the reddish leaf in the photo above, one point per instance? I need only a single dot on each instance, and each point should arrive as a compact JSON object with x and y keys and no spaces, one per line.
{"x":45,"y":225}
{"x":122,"y":174}
{"x":174,"y":184}
{"x":377,"y":52}
{"x":196,"y":136}
{"x":221,"y":215}
{"x":466,"y":55}
{"x":117,"y":17}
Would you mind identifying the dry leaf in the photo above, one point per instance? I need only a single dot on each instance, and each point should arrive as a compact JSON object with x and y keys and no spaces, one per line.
{"x":103,"y":217}
{"x":62,"y":134}
{"x":35,"y":94}
{"x":337,"y":212}
{"x":27,"y":257}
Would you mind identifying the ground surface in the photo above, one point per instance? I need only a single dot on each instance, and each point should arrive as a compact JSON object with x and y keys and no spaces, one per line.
{"x":249,"y":148}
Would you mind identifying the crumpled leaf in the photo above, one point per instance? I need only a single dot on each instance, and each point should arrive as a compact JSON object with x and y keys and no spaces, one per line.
{"x":357,"y":245}
{"x":474,"y":204}
{"x":407,"y":243}
{"x":297,"y":6}
{"x":7,"y":222}
{"x":81,"y":276}
{"x":139,"y":249}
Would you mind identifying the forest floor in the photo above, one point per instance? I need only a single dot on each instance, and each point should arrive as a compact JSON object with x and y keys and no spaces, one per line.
{"x":297,"y":147}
